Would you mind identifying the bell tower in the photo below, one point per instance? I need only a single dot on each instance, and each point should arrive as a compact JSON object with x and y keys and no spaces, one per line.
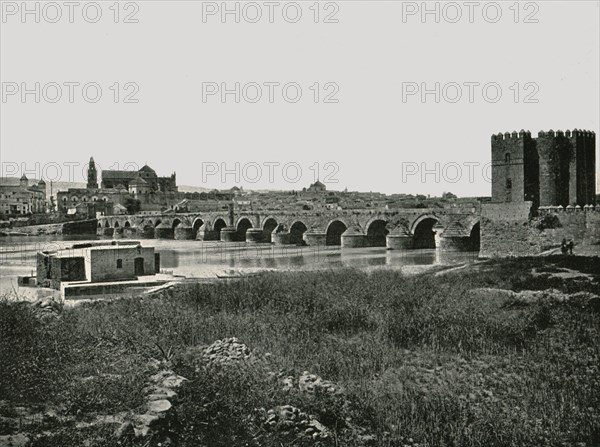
{"x":92,"y":179}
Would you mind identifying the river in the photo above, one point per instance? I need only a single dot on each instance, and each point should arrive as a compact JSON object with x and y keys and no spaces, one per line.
{"x":197,"y":259}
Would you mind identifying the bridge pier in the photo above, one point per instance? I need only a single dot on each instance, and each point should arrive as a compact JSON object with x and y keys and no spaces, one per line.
{"x":163,"y":231}
{"x":438,"y":234}
{"x":229,"y":234}
{"x":280,"y":238}
{"x":130,"y":232}
{"x":456,"y":243}
{"x":399,"y":242}
{"x":352,"y":238}
{"x":184,"y":233}
{"x":254,"y":235}
{"x":147,"y":232}
{"x":399,"y":239}
{"x":315,"y":238}
{"x":207,"y":235}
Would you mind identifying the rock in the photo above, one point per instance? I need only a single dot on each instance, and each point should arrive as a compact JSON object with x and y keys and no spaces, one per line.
{"x":287,"y":418}
{"x":159,"y":376}
{"x":155,"y":364}
{"x":311,"y":383}
{"x":162,"y":393}
{"x":226,"y":351}
{"x":147,"y":419}
{"x":173,"y":381}
{"x":142,"y":432}
{"x":17,"y":440}
{"x":125,"y":429}
{"x":159,"y":406}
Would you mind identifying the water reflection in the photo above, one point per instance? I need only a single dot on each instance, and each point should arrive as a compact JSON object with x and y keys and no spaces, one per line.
{"x":196,"y":259}
{"x":304,"y":257}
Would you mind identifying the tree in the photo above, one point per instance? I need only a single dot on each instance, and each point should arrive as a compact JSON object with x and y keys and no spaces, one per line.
{"x":133,"y":205}
{"x":448,"y":195}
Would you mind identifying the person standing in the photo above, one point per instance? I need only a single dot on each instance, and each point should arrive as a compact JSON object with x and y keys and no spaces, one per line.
{"x":563,"y":246}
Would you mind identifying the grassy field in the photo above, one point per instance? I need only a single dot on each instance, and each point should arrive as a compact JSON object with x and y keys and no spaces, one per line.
{"x":423,"y":360}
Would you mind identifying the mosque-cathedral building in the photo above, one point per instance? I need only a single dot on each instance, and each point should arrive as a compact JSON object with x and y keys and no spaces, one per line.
{"x":116,"y":190}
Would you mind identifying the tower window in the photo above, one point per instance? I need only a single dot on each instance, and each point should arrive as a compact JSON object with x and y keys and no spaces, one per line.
{"x":507,"y":157}
{"x":119,"y":263}
{"x":508,"y":183}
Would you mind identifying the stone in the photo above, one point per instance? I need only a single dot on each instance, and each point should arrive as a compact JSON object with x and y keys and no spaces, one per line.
{"x":159,"y":393}
{"x":173,"y":381}
{"x":226,"y":351}
{"x":125,"y":429}
{"x":16,"y":440}
{"x":159,"y":406}
{"x":147,"y":419}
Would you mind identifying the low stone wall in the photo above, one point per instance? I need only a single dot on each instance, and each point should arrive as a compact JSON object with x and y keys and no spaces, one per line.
{"x":510,"y":229}
{"x":82,"y":227}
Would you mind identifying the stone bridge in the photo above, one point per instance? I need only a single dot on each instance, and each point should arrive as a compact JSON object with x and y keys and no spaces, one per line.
{"x":400,"y":228}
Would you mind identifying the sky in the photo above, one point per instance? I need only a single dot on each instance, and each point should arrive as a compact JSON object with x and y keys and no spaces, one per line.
{"x":366,"y":95}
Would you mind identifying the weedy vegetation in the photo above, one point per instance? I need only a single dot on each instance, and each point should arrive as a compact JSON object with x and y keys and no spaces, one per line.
{"x":422,"y":359}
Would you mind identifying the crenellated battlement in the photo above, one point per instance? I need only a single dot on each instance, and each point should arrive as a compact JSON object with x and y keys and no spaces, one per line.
{"x":568,"y":133}
{"x":543,"y":210}
{"x":514,"y":135}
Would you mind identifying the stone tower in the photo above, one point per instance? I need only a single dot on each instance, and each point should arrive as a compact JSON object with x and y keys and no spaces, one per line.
{"x":556,"y":168}
{"x":92,"y":180}
{"x":514,"y":168}
{"x":567,"y":168}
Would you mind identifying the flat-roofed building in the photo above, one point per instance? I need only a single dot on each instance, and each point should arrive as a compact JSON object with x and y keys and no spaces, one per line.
{"x":96,"y":262}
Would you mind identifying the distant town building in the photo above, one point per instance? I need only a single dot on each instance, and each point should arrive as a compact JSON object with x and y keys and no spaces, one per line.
{"x":22,"y":199}
{"x":317,"y":187}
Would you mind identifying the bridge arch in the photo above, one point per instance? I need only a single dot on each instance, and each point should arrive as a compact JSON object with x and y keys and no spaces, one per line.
{"x":268,"y":226}
{"x":176,"y":223}
{"x":147,"y":228}
{"x":334,"y":232}
{"x":297,"y":230}
{"x":242,"y":226}
{"x":196,"y":225}
{"x":218,"y":225}
{"x":475,"y":236}
{"x":377,"y":232}
{"x":157,"y":223}
{"x":127,"y":224}
{"x":106,"y":223}
{"x":116,"y":224}
{"x":422,"y":231}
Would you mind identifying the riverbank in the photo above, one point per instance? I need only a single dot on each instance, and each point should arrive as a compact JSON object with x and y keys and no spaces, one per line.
{"x":502,"y":352}
{"x":78,"y":227}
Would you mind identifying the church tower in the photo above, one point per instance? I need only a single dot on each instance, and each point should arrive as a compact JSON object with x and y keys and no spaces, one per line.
{"x":92,"y":180}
